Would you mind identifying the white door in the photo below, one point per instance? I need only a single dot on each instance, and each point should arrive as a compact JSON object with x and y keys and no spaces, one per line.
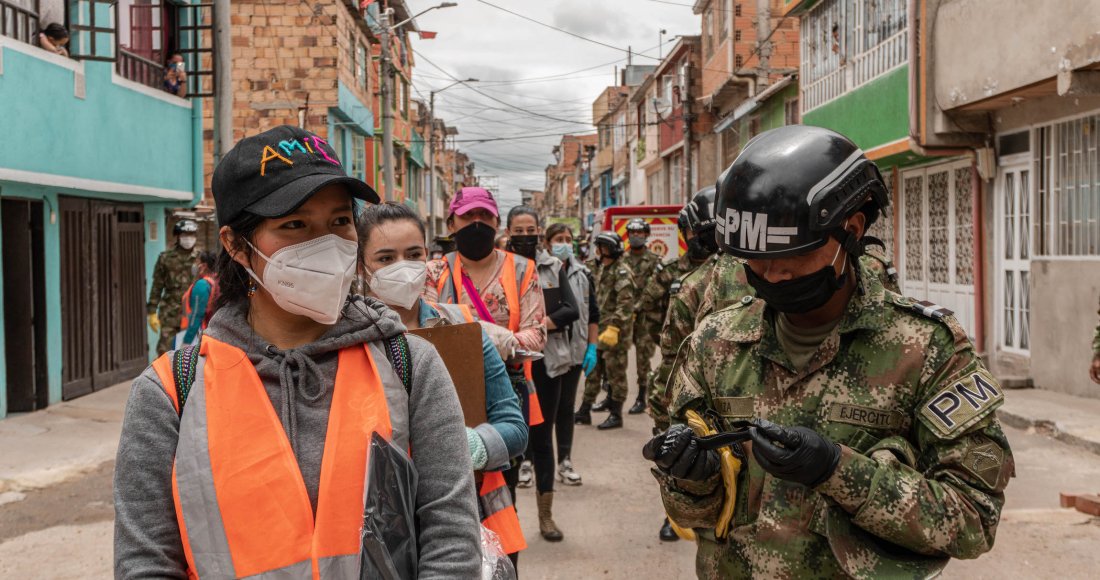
{"x":1013,"y":251}
{"x":936,"y":237}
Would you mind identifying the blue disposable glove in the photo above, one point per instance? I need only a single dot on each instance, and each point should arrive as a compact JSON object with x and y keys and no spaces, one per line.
{"x":589,"y":361}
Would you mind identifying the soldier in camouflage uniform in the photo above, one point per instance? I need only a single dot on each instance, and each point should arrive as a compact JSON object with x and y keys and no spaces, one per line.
{"x":171,"y":278}
{"x":647,"y":320}
{"x":615,"y":299}
{"x":1094,"y":370}
{"x":875,"y":451}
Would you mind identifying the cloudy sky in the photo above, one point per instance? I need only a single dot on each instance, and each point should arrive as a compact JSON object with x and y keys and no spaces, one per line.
{"x":536,"y":83}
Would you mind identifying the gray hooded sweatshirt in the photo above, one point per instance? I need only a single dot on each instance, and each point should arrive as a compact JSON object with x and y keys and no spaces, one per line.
{"x":299,"y":384}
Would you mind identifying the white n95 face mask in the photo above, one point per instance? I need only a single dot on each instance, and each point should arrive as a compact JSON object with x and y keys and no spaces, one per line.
{"x":399,"y":284}
{"x":311,"y":278}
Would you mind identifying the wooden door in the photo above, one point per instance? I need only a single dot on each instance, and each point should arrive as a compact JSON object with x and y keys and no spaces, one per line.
{"x":24,"y":305}
{"x":102,"y":294}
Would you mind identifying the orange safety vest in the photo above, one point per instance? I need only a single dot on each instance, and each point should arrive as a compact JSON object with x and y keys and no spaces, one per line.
{"x":241,"y":504}
{"x":509,"y":274}
{"x":187,"y":303}
{"x":493,"y":496}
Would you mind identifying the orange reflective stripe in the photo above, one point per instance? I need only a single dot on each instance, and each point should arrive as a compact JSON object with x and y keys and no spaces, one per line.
{"x":508,"y":283}
{"x":163,"y":367}
{"x":187,"y":302}
{"x":500,"y":513}
{"x":467,"y":313}
{"x":534,"y":408}
{"x":260,"y":495}
{"x":342,"y":479}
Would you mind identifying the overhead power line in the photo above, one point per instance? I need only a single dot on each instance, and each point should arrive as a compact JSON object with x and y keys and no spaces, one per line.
{"x":564,"y":31}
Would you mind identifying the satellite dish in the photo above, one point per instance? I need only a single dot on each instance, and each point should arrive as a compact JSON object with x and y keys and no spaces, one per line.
{"x":663,"y":108}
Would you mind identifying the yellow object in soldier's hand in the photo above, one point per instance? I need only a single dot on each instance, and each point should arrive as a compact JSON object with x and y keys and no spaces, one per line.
{"x":154,"y":322}
{"x":609,"y":337}
{"x":731,"y":465}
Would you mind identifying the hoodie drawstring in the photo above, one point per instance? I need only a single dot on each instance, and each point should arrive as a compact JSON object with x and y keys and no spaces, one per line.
{"x":289,"y":361}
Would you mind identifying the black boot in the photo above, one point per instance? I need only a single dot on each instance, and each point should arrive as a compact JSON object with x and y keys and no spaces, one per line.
{"x":602,"y":405}
{"x":583,"y":416}
{"x":667,"y":534}
{"x":615,"y":419}
{"x":639,"y":405}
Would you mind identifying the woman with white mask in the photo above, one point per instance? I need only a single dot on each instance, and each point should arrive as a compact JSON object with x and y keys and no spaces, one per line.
{"x":393,"y":259}
{"x":248,"y":455}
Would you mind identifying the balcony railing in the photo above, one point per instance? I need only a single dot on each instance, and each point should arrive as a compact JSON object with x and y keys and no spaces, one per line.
{"x":824,"y":89}
{"x":19,"y":20}
{"x":886,"y":55}
{"x":140,"y":70}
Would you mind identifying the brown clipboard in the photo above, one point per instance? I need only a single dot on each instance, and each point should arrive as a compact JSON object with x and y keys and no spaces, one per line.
{"x":459,"y":345}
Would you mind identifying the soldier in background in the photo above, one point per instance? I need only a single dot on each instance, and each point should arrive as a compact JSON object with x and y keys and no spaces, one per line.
{"x":1094,"y":370}
{"x":875,"y":448}
{"x":647,"y":321}
{"x":615,"y":298}
{"x":171,"y":278}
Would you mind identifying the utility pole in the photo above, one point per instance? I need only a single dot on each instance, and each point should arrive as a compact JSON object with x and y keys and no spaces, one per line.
{"x":387,"y":109}
{"x":223,"y":80}
{"x":689,"y":136}
{"x":431,"y":154}
{"x":431,"y":167}
{"x":763,"y":30}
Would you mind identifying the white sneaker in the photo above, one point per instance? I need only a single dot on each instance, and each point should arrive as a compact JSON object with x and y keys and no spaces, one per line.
{"x":567,"y":475}
{"x":526,"y":474}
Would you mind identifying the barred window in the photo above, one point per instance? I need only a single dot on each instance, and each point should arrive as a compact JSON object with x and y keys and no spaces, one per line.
{"x":1067,"y":188}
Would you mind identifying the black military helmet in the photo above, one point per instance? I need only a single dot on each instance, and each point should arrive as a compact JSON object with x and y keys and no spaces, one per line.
{"x":793,"y":187}
{"x":682,"y":220}
{"x":611,"y":241}
{"x":700,"y":211}
{"x":637,"y":225}
{"x":185,"y":227}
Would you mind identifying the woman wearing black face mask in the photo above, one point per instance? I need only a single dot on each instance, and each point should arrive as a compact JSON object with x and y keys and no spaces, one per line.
{"x":561,"y":311}
{"x":501,"y":287}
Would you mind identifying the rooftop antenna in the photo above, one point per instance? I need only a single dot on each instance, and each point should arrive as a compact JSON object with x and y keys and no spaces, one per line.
{"x":661,"y":43}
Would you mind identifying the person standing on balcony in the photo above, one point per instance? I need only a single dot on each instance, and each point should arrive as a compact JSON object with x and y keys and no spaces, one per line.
{"x":54,"y":37}
{"x":171,"y":278}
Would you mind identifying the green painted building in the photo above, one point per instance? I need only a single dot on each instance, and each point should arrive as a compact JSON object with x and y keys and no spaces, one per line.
{"x":97,"y":157}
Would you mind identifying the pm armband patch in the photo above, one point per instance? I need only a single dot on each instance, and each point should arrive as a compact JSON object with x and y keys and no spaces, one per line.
{"x":962,"y":403}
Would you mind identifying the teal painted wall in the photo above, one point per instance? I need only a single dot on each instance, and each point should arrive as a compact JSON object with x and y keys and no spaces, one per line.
{"x":872,"y":115}
{"x":354,"y":111}
{"x":115,"y":134}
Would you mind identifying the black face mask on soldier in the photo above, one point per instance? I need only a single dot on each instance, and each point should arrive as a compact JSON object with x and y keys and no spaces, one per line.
{"x":803,"y":294}
{"x":475,"y":241}
{"x":525,"y":246}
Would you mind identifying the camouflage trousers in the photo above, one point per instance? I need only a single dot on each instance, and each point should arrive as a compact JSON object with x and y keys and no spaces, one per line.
{"x":611,"y":367}
{"x":167,"y":338}
{"x":645,"y":346}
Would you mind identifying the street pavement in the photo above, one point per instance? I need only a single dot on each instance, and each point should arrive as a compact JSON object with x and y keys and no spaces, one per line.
{"x":610,"y":523}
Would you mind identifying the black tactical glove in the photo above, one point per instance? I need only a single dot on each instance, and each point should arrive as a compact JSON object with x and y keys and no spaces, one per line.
{"x":677,"y":453}
{"x":802,"y":456}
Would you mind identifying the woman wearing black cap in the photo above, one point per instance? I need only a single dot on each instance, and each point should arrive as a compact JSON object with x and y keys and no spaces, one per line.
{"x":293,"y":391}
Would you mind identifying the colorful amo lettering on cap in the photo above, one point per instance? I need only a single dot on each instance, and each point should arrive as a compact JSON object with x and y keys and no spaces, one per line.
{"x":291,"y":146}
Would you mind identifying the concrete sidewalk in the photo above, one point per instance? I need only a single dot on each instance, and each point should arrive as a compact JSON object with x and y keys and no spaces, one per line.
{"x":1073,"y":420}
{"x":65,"y":440}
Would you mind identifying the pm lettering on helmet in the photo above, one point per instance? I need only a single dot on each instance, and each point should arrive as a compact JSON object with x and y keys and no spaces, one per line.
{"x":755,"y":233}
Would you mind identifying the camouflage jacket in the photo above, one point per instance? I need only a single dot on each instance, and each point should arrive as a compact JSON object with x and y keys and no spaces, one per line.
{"x":655,"y":292}
{"x":615,"y":296}
{"x":882,"y":265}
{"x":171,"y":278}
{"x":643,"y":266}
{"x":924,"y":461}
{"x":1096,"y":339}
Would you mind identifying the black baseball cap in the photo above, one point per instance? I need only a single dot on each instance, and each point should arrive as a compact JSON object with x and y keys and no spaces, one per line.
{"x":275,"y":172}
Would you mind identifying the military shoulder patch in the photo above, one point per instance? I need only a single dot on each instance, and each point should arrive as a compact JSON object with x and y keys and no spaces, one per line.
{"x":932,"y":311}
{"x":961,"y":404}
{"x":983,"y":460}
{"x":674,"y":288}
{"x":659,"y":267}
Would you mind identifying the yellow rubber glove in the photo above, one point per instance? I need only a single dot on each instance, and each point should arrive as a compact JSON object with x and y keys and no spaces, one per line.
{"x":154,"y":322}
{"x":609,"y":337}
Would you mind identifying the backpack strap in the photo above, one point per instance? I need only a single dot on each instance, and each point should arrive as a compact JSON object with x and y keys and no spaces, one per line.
{"x":184,"y":364}
{"x":397,"y":350}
